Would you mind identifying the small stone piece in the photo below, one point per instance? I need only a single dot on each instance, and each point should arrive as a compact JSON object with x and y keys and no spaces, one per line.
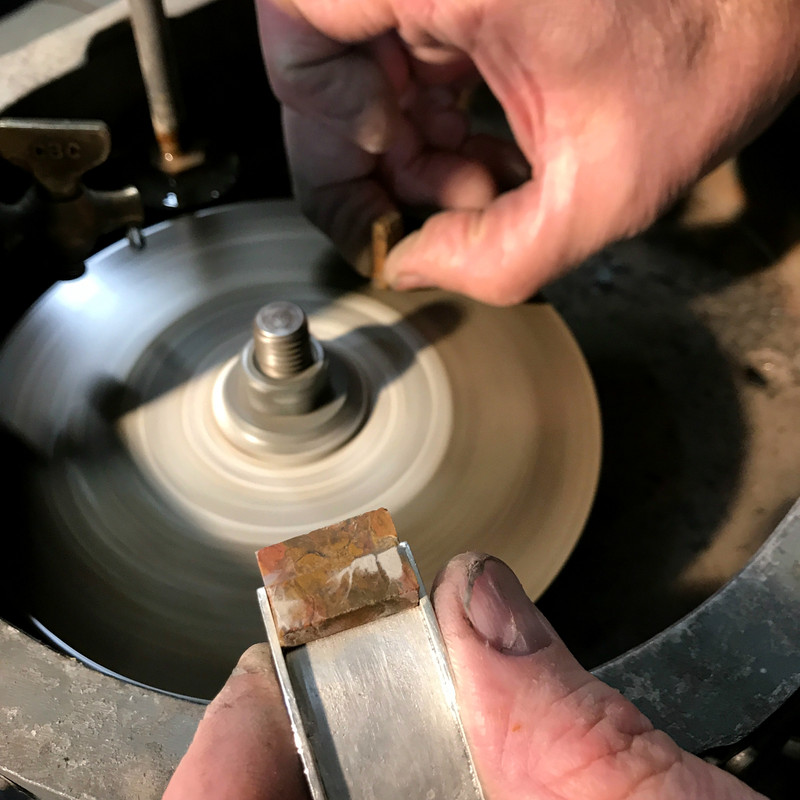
{"x":387,"y":231}
{"x":336,"y":578}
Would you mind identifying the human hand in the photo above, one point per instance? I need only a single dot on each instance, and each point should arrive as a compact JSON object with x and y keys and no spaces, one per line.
{"x":616,"y":106}
{"x":539,"y":726}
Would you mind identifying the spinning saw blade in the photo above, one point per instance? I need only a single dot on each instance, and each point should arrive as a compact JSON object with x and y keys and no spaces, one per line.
{"x":147,"y":494}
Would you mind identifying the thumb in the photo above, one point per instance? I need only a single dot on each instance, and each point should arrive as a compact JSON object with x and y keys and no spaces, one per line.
{"x":501,"y":254}
{"x":538,"y":724}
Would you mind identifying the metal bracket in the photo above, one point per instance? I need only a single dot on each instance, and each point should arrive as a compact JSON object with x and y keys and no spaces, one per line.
{"x":369,"y":690}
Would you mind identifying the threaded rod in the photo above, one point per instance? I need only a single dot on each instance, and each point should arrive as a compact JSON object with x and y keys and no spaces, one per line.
{"x":282,"y":341}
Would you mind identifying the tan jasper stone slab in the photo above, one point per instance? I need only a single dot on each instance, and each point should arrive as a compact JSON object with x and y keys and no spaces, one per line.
{"x":336,"y":578}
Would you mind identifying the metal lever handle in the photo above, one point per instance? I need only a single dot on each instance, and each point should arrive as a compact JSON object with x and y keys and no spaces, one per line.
{"x":57,"y":153}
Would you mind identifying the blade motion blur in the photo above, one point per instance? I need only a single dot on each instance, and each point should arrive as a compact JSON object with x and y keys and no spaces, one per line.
{"x":232,"y":385}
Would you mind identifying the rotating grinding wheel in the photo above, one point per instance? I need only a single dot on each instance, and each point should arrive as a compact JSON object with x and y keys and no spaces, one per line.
{"x":164,"y":453}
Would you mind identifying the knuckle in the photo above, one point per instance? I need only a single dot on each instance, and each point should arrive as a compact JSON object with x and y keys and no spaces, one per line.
{"x":611,"y":743}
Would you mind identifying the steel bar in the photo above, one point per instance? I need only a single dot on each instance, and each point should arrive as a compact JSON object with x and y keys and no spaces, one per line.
{"x":151,"y":34}
{"x":369,"y":691}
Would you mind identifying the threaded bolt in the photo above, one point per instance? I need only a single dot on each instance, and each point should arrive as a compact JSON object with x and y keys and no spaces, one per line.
{"x":282,"y":341}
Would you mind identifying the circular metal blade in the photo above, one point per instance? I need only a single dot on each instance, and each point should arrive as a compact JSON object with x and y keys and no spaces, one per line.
{"x":482,"y":433}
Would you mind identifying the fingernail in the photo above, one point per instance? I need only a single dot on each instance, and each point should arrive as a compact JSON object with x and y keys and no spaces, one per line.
{"x":501,"y":613}
{"x":374,"y":128}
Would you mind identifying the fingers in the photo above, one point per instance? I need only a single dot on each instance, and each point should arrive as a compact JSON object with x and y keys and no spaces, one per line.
{"x":538,"y":724}
{"x":346,"y":105}
{"x":335,"y":181}
{"x":331,"y":80}
{"x":243,"y":748}
{"x":501,"y":254}
{"x":418,"y":176}
{"x":503,"y":158}
{"x":435,"y":113}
